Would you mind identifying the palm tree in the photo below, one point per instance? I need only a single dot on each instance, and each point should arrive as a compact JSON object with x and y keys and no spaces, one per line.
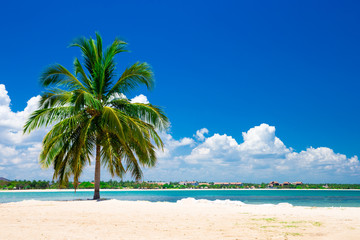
{"x":90,"y":115}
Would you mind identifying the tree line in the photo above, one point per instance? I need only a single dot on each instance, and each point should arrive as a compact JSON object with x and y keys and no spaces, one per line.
{"x":113,"y":184}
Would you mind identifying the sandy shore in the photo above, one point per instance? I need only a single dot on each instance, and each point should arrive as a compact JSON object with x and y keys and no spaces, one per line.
{"x":187,"y":219}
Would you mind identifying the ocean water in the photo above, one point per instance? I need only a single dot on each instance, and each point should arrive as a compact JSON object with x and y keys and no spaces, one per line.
{"x":316,"y":198}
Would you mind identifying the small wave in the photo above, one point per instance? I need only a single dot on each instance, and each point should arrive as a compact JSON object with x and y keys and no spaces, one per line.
{"x":285,"y":204}
{"x":221,"y":202}
{"x":228,"y":202}
{"x":29,"y":201}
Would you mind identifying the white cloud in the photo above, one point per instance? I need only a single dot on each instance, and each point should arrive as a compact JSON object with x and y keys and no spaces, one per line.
{"x":18,"y":151}
{"x":140,"y":99}
{"x":4,"y":98}
{"x":217,"y":149}
{"x":324,"y":159}
{"x":11,"y":123}
{"x":200,"y":134}
{"x":261,"y":156}
{"x":170,"y":144}
{"x":12,"y":119}
{"x":137,"y":99}
{"x":262,"y":140}
{"x":117,"y":95}
{"x":6,"y":151}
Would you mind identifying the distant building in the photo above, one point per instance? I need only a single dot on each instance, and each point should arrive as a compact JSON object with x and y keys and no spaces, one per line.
{"x":236,"y":183}
{"x":194,"y":183}
{"x":274,"y":183}
{"x":221,"y":183}
{"x":161,"y":183}
{"x":204,"y":184}
{"x":286,"y":184}
{"x":297,"y":183}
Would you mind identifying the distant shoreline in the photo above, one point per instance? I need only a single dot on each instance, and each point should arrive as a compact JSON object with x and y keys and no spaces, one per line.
{"x":188,"y":189}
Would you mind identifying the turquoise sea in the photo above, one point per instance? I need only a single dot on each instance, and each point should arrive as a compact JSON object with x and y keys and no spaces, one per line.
{"x":318,"y":198}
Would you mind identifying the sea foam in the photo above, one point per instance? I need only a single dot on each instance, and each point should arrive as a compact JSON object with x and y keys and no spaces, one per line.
{"x":227,"y":202}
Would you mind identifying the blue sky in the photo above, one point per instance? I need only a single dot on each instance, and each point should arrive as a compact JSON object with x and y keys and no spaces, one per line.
{"x":227,"y":66}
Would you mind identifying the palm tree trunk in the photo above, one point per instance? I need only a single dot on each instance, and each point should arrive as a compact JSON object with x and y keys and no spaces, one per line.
{"x":97,"y":174}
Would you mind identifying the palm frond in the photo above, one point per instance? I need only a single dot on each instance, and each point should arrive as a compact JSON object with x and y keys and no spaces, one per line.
{"x":46,"y":116}
{"x":87,"y":52}
{"x":58,"y":76}
{"x":81,"y":72}
{"x":146,"y":112}
{"x":134,"y":76}
{"x":55,"y":97}
{"x":85,"y":100}
{"x":85,"y":111}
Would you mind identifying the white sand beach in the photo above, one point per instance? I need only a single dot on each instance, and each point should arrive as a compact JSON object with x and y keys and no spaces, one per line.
{"x":187,"y":219}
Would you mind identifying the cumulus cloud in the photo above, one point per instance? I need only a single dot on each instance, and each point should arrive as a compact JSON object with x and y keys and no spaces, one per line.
{"x":140,"y":99}
{"x":215,"y":149}
{"x":117,"y":95}
{"x":18,"y":153}
{"x":264,"y":157}
{"x":170,"y":144}
{"x":260,"y":142}
{"x":137,"y":99}
{"x":259,"y":156}
{"x":4,"y":98}
{"x":11,"y":123}
{"x":325,"y":160}
{"x":200,"y":134}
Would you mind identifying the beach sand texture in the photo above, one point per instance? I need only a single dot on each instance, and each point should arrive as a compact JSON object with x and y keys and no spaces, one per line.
{"x":188,"y":219}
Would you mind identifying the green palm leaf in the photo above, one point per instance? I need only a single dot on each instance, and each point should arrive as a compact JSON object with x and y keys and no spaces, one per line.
{"x":88,"y":121}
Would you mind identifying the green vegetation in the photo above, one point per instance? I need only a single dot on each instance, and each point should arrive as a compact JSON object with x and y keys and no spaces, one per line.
{"x":292,"y":234}
{"x":316,"y":224}
{"x":90,"y":115}
{"x":291,"y":226}
{"x":264,"y":219}
{"x":321,"y":186}
{"x":24,"y":184}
